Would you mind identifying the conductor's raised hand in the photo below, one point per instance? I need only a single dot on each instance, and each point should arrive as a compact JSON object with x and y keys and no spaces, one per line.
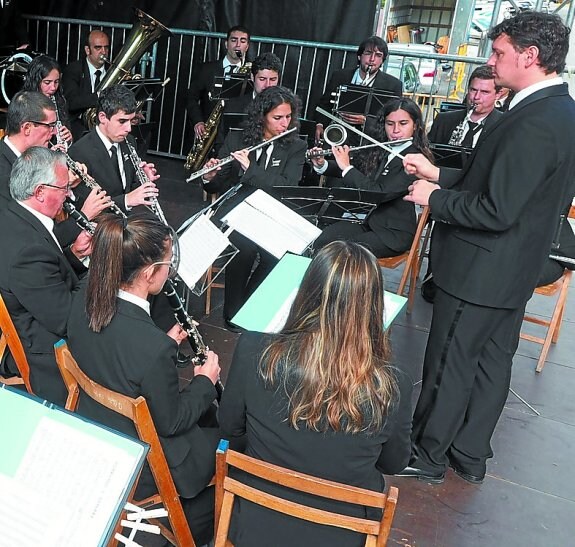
{"x":421,"y":167}
{"x":210,"y":368}
{"x":420,"y":191}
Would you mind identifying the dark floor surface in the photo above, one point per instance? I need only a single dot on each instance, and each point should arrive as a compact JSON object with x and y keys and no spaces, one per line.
{"x":528,"y":496}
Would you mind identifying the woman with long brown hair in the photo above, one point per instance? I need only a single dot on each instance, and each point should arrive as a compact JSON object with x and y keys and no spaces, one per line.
{"x":117,"y":344}
{"x":321,"y":396}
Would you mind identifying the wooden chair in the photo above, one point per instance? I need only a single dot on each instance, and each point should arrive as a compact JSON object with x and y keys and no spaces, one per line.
{"x":411,"y":259}
{"x":227,"y":488}
{"x":137,"y":411}
{"x":211,"y":285}
{"x":11,"y":340}
{"x":553,"y":325}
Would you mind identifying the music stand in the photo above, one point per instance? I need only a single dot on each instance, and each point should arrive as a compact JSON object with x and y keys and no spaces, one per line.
{"x":357,"y":99}
{"x":307,"y":131}
{"x":231,"y":85}
{"x":146,"y":89}
{"x":447,"y":155}
{"x":450,"y":106}
{"x":323,"y":206}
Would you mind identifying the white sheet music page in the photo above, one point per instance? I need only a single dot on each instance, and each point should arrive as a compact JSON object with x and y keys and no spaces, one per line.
{"x":200,"y":246}
{"x":76,"y":480}
{"x":272,"y":225}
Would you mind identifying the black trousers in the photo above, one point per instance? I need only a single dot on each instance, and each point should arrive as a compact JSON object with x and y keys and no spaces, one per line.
{"x":466,"y":376}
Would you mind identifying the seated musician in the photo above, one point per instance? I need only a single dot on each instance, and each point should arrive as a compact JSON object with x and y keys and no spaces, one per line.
{"x":44,"y":74}
{"x":273,"y":111}
{"x":37,"y":275}
{"x":389,"y":229}
{"x":31,"y":122}
{"x":105,"y":153}
{"x":116,"y":343}
{"x":320,"y":397}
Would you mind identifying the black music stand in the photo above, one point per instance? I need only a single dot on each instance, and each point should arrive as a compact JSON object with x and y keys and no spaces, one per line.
{"x":450,"y":106}
{"x":231,"y":85}
{"x":145,"y":89}
{"x":447,"y":155}
{"x":323,"y":206}
{"x":357,"y":99}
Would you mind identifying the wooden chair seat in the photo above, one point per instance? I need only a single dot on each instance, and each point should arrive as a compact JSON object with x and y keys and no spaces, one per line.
{"x":377,"y":531}
{"x":411,"y":259}
{"x":552,"y":326}
{"x":137,"y":411}
{"x":11,"y":340}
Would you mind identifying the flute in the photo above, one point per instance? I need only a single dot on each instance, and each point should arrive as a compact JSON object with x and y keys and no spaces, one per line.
{"x":230,"y":158}
{"x":329,"y":152}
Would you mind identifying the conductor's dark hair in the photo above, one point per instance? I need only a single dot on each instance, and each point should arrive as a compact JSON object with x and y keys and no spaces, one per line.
{"x":238,"y":28}
{"x":115,"y":98}
{"x":26,"y":106}
{"x":121,"y":248}
{"x":267,"y":61}
{"x":368,"y":162}
{"x":544,"y":30}
{"x":374,"y":42}
{"x":483,"y":72}
{"x":264,"y":103}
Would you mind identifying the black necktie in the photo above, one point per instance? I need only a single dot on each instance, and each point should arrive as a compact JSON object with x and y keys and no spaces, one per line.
{"x":262,"y":160}
{"x":98,"y":75}
{"x":474,"y":127}
{"x":114,"y":160}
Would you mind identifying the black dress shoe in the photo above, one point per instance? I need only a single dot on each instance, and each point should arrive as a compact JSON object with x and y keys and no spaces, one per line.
{"x":473,"y":479}
{"x":422,"y":475}
{"x":428,"y":289}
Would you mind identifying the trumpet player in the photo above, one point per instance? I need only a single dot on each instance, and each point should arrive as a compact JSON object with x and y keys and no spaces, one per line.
{"x":81,"y":79}
{"x":106,"y":155}
{"x":463,"y":127}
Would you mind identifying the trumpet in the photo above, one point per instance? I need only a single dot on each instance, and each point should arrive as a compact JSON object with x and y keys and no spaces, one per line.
{"x":90,"y":183}
{"x":329,"y":152}
{"x":229,"y":159}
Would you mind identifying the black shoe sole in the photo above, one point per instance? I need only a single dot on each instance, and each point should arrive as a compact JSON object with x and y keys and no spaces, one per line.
{"x":472,"y":479}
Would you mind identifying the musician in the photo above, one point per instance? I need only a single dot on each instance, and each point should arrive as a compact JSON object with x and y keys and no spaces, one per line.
{"x":81,"y":79}
{"x":31,"y":121}
{"x":44,"y":75}
{"x":37,"y":275}
{"x":371,"y":55}
{"x":104,"y":152}
{"x":198,"y":103}
{"x":320,"y":397}
{"x":494,"y":229}
{"x":274,"y":111}
{"x":389,"y":230}
{"x":482,"y":94}
{"x":116,"y":343}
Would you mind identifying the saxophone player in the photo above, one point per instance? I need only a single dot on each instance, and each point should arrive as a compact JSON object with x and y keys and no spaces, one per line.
{"x":198,"y":104}
{"x":104,"y":152}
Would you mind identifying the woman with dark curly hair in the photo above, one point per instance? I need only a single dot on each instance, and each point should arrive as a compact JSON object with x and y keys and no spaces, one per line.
{"x":320,"y":397}
{"x":390,"y":228}
{"x":273,"y":111}
{"x":44,"y":75}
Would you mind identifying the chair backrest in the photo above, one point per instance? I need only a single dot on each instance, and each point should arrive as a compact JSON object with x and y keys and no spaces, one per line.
{"x":227,"y":488}
{"x":137,"y":411}
{"x":11,"y":339}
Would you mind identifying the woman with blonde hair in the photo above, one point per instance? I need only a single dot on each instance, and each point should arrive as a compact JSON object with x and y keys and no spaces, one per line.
{"x":320,"y":397}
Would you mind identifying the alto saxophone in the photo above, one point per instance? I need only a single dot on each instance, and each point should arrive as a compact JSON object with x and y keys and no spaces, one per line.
{"x":202,"y":145}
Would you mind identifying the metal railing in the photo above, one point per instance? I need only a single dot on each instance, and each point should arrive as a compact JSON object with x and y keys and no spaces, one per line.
{"x":307,"y":66}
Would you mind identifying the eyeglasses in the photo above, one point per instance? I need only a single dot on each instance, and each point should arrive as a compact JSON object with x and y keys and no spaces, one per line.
{"x":66,"y":188}
{"x":51,"y":125}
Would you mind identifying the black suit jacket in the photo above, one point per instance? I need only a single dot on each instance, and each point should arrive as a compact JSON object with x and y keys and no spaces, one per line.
{"x":134,"y":357}
{"x":284,"y":168}
{"x":91,"y":151}
{"x":249,"y":407}
{"x":445,"y":122}
{"x":77,"y":87}
{"x":393,"y":220}
{"x":36,"y":282}
{"x":198,"y":103}
{"x":495,"y":228}
{"x":383,"y":82}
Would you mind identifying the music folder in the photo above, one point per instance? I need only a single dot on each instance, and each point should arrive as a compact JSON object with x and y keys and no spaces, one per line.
{"x":64,"y":480}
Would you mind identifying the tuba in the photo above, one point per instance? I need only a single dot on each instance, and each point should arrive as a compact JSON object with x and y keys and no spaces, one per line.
{"x":145,"y":32}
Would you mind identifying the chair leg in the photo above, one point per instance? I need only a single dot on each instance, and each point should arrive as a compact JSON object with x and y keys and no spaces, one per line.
{"x":208,"y":306}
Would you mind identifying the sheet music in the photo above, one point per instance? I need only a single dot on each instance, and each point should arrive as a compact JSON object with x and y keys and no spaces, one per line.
{"x":78,"y":510}
{"x":272,"y":225}
{"x":200,"y":245}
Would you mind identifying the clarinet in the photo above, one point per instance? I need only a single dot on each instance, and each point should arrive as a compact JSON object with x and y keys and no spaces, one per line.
{"x":61,"y":142}
{"x":91,"y":183}
{"x":79,"y":217}
{"x":457,"y":136}
{"x":187,"y":323}
{"x":143,"y":179}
